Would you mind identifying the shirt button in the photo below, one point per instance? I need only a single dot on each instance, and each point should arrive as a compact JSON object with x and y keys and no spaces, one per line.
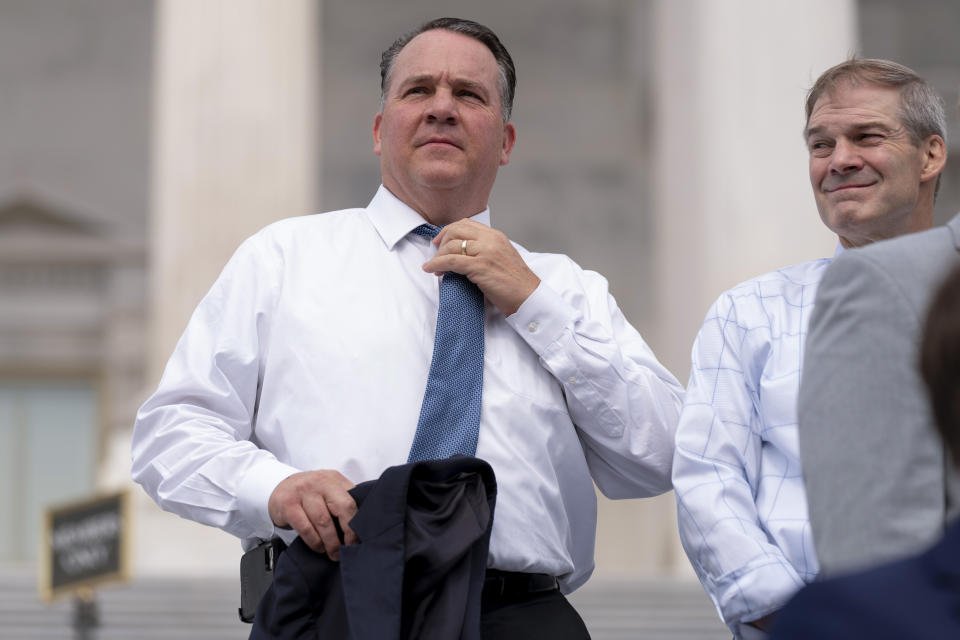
{"x":572,"y":379}
{"x":533,"y":326}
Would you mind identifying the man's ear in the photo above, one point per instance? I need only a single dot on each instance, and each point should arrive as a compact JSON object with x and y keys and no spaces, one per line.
{"x":377,"y":120}
{"x":509,"y":139}
{"x":934,"y":157}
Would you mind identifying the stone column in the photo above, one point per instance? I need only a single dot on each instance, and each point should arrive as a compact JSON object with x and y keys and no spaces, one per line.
{"x":235,"y":139}
{"x":731,"y":194}
{"x":235,"y":147}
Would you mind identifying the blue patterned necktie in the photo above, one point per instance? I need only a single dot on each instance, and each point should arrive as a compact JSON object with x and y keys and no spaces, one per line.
{"x":450,"y":416}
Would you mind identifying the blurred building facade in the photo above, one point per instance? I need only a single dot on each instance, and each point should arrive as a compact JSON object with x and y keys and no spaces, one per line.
{"x":659,"y":143}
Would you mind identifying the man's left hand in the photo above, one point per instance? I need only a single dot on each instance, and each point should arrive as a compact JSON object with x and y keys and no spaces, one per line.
{"x":486,"y":257}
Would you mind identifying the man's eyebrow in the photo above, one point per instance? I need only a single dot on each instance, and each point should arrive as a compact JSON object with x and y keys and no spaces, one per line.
{"x":423,"y":77}
{"x":874,"y":124}
{"x":859,"y":126}
{"x":466,"y":83}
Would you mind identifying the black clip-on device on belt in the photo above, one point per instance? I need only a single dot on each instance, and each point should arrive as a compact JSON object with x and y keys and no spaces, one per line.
{"x":256,"y":574}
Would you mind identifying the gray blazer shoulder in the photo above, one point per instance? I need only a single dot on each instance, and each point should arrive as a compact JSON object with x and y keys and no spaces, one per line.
{"x":912,"y":260}
{"x":879,"y":485}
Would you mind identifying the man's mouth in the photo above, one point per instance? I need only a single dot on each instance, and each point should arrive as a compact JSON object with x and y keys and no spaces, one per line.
{"x":845,"y":187}
{"x":440,"y":141}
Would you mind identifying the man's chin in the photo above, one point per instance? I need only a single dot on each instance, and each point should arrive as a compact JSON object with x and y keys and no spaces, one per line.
{"x":441,"y":178}
{"x":846,"y":209}
{"x":865,"y":222}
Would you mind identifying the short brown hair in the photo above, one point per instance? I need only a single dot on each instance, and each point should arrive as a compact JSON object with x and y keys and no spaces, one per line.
{"x":940,"y":360}
{"x":921,"y":107}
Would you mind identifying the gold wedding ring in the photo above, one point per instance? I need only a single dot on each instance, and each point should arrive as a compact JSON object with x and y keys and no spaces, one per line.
{"x":463,"y":247}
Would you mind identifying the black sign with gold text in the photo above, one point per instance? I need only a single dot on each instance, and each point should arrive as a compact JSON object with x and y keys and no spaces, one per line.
{"x":85,"y":544}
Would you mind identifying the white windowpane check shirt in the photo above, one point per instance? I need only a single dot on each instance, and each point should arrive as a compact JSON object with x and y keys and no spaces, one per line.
{"x":312,"y":351}
{"x":741,"y":504}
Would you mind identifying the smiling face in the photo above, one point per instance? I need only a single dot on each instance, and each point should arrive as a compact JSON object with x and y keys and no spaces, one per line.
{"x":441,"y":134}
{"x":870,"y":179}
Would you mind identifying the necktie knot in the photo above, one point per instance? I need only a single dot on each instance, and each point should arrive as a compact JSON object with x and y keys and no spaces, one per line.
{"x":427,"y":230}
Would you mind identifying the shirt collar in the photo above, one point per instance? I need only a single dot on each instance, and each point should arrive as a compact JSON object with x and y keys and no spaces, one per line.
{"x":393,"y":219}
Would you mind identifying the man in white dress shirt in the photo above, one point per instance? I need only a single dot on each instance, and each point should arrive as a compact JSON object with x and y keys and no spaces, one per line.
{"x":875,"y":137}
{"x":303,"y":370}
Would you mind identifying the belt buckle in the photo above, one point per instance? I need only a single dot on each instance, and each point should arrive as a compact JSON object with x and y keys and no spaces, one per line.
{"x":494,"y":585}
{"x":501,"y":588}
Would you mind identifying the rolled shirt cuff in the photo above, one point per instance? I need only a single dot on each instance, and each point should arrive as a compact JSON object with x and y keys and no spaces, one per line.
{"x":253,"y":496}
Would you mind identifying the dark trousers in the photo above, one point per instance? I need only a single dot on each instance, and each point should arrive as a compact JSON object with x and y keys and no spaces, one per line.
{"x":545,"y":615}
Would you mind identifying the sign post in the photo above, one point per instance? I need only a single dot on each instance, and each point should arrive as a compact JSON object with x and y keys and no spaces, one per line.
{"x":85,"y":544}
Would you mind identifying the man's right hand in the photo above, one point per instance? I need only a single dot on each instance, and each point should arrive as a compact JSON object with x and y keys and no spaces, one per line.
{"x":308,"y":501}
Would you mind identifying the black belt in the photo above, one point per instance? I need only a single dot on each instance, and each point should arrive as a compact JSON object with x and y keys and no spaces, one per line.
{"x":507,"y":584}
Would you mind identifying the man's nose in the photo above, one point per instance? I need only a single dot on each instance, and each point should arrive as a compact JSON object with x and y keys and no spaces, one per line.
{"x":845,"y":157}
{"x":442,"y":108}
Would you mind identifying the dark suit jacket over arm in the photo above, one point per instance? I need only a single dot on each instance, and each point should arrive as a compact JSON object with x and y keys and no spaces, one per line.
{"x":417,"y":570}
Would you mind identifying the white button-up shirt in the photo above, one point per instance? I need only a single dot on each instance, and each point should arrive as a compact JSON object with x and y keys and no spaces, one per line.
{"x":312,"y":351}
{"x":741,"y":504}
